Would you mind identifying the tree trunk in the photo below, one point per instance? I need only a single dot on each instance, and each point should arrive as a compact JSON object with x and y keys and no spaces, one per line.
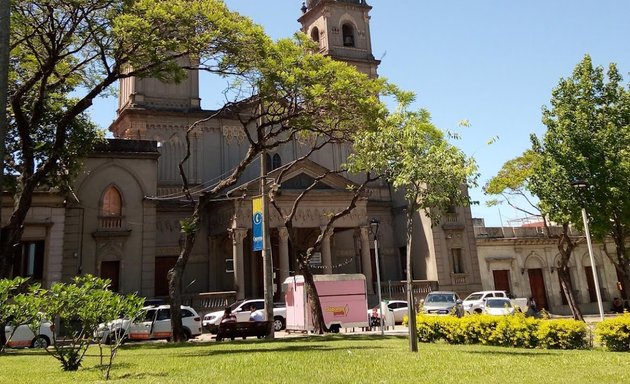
{"x":567,"y":290}
{"x":5,"y":32}
{"x":319,"y":326}
{"x":12,"y":232}
{"x":413,"y":332}
{"x":175,"y":277}
{"x":565,"y":248}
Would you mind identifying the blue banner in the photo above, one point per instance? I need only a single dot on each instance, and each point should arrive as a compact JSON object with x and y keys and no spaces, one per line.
{"x":257,"y":224}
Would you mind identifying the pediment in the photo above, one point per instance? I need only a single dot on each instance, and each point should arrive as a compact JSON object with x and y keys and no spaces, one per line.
{"x":302,"y":175}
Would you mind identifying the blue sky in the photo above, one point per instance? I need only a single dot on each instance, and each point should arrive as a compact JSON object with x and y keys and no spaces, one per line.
{"x":491,"y":62}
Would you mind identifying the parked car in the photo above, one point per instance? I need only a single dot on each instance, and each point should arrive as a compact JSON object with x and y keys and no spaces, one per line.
{"x":156,"y":324}
{"x":498,"y":306}
{"x":474,"y":302}
{"x":242,"y":311}
{"x":24,"y":337}
{"x":440,"y":302}
{"x":399,"y":308}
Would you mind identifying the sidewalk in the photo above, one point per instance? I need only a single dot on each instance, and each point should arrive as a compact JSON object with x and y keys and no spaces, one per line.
{"x":398,"y":330}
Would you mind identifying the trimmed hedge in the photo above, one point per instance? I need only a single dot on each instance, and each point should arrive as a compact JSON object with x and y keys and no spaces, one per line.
{"x":507,"y":331}
{"x":614,"y":333}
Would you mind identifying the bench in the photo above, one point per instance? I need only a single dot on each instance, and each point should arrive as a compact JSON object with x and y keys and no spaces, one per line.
{"x":243,"y":329}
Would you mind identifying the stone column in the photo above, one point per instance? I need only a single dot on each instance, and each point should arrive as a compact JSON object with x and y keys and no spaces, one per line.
{"x":238,"y":235}
{"x":366,"y":259}
{"x":326,"y":256}
{"x":283,"y":262}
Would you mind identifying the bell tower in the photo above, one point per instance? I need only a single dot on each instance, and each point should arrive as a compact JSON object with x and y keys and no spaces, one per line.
{"x":342,"y":29}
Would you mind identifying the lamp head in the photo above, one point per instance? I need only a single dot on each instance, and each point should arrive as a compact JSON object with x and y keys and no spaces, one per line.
{"x":374,"y":223}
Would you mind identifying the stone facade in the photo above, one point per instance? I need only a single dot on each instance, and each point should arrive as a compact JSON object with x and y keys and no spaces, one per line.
{"x":523,"y":260}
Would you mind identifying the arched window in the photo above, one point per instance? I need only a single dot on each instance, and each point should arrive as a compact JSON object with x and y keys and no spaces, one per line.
{"x":111,"y":209}
{"x":268,"y":162}
{"x":277,"y":161}
{"x":315,"y":34}
{"x":112,"y":202}
{"x":348,"y":35}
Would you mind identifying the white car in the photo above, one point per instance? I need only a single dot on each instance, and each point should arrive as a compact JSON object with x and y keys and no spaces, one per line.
{"x":474,"y":302}
{"x":241,"y":309}
{"x":399,"y":308}
{"x":498,"y":306}
{"x":24,"y":337}
{"x":156,"y":324}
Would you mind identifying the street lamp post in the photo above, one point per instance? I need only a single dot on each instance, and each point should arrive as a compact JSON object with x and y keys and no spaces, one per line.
{"x":374,"y":223}
{"x":581,"y":185}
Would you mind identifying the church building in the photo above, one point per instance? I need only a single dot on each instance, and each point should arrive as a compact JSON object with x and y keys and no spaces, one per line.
{"x":124,"y":223}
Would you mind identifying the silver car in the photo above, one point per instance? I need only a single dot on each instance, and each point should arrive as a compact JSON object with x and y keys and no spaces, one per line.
{"x":440,"y":303}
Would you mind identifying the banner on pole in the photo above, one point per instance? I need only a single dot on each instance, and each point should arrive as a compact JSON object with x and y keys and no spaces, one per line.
{"x":257,"y":224}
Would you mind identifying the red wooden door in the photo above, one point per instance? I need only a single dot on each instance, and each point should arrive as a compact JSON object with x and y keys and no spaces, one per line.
{"x":564,"y":298}
{"x":111,"y":270}
{"x":537,"y":285}
{"x":501,"y":279}
{"x":592,"y":293}
{"x":162,"y":266}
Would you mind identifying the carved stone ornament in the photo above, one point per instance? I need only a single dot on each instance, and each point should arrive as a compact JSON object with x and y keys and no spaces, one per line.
{"x":234,"y":134}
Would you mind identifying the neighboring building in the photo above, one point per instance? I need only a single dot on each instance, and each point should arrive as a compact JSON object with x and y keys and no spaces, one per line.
{"x":523,"y":261}
{"x":123,"y":221}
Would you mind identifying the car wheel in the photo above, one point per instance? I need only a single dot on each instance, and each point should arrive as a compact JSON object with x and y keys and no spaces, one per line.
{"x":478,"y":311}
{"x":186,"y":334}
{"x":40,"y":342}
{"x":118,"y":335}
{"x":278,"y":323}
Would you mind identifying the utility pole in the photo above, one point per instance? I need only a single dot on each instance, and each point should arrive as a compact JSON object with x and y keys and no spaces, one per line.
{"x":266,"y":251}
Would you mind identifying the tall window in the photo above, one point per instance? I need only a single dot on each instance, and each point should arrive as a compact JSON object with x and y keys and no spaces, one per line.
{"x":112,"y":202}
{"x":458,"y":262}
{"x":315,"y":34}
{"x":29,"y":260}
{"x":348,"y":35}
{"x":276,"y":161}
{"x":111,"y":209}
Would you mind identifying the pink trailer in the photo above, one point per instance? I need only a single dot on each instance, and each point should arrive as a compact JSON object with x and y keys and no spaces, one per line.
{"x":342,"y":297}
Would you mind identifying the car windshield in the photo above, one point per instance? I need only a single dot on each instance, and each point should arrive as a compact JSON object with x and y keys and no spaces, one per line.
{"x":440,"y":298}
{"x":498,"y":303}
{"x":236,"y":304}
{"x":474,"y":296}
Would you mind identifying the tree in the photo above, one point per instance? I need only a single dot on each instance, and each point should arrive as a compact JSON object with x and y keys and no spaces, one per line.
{"x":588,"y":138}
{"x":289,"y":94}
{"x":80,"y":307}
{"x":517,"y":178}
{"x":65,"y":53}
{"x":415,"y":158}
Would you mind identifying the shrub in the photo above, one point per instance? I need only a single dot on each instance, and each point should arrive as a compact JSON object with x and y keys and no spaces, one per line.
{"x":562,"y":334}
{"x":514,"y":331}
{"x":429,"y":329}
{"x":614,"y":333}
{"x":508,"y":331}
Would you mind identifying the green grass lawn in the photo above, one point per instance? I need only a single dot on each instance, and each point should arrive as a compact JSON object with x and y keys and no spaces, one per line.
{"x":325,"y":359}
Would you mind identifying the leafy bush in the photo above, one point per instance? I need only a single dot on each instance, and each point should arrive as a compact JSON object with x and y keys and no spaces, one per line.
{"x":514,"y":331}
{"x":510,"y":331}
{"x":562,"y":334}
{"x":614,"y":333}
{"x":429,"y":329}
